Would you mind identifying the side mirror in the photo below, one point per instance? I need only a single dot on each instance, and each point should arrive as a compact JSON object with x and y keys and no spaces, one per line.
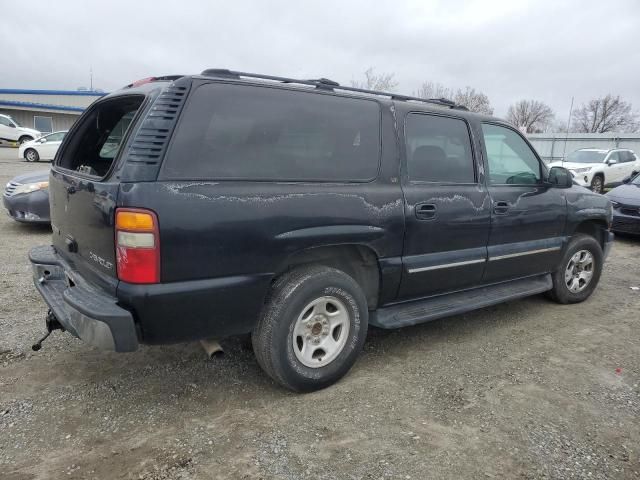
{"x":560,"y":177}
{"x":613,"y":161}
{"x":43,"y":140}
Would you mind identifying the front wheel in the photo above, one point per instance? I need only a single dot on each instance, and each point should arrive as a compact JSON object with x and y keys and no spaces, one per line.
{"x":579,"y":271}
{"x":597,"y":184}
{"x":312,"y":328}
{"x":31,"y":155}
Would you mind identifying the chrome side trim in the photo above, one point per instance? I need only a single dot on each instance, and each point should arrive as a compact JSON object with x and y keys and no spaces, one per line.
{"x":446,"y":265}
{"x":521,"y":254}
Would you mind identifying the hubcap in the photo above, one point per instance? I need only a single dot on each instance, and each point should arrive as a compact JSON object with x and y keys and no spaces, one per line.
{"x":321,"y":332}
{"x":31,"y":155}
{"x":579,"y":271}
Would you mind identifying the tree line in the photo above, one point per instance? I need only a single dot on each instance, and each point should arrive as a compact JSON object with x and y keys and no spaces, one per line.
{"x":608,"y":113}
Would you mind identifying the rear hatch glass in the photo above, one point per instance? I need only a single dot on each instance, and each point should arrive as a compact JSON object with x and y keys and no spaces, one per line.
{"x":82,"y":193}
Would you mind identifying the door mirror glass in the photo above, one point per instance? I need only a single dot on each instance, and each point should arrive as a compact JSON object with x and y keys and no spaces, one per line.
{"x":560,"y":177}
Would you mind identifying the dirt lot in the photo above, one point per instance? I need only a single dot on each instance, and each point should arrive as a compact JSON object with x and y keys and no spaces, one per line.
{"x":528,"y":389}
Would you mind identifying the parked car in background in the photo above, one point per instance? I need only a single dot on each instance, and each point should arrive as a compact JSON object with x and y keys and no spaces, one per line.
{"x":300,"y":211}
{"x":11,"y":131}
{"x":626,"y":206}
{"x":26,"y":197}
{"x":598,"y":168}
{"x":43,"y":148}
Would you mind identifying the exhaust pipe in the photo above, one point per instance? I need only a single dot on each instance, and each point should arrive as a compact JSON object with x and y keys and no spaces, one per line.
{"x":211,"y":347}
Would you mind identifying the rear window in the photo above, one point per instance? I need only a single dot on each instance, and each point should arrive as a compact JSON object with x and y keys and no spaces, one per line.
{"x":99,"y":136}
{"x":261,"y":133}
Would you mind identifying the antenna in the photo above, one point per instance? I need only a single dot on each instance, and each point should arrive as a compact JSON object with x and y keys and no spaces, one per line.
{"x":566,"y":136}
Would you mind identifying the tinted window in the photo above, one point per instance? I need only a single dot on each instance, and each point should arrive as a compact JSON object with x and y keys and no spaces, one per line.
{"x":626,"y":156}
{"x":262,"y":133}
{"x":614,"y":156}
{"x":438,"y":149}
{"x":509,"y":158}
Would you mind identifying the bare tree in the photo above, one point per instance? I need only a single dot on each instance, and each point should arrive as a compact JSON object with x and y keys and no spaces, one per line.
{"x":469,"y":97}
{"x":605,"y":114}
{"x":434,"y":90}
{"x":530,"y":115}
{"x":373,"y":81}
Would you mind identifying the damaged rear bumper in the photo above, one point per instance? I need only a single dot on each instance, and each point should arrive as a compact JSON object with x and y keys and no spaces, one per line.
{"x":84,"y":311}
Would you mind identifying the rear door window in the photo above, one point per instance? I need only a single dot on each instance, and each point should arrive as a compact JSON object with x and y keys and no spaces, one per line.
{"x":232,"y":132}
{"x":99,"y":137}
{"x":438,"y":149}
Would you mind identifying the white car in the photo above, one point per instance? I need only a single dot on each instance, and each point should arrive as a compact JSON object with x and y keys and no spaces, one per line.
{"x":44,"y":148}
{"x":10,"y":131}
{"x":597,"y":168}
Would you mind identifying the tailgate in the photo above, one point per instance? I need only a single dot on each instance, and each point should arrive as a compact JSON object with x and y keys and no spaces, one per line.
{"x":82,"y":192}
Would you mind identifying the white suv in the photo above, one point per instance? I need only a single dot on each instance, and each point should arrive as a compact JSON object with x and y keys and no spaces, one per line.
{"x":10,"y":131}
{"x":597,"y":168}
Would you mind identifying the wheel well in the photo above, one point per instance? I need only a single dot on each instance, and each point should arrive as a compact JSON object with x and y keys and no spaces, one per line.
{"x":599,"y":174}
{"x":358,"y":261}
{"x":594,"y":228}
{"x":25,"y":136}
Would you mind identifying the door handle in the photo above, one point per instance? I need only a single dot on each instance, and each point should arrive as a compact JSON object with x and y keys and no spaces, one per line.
{"x":425,"y":211}
{"x":500,"y":208}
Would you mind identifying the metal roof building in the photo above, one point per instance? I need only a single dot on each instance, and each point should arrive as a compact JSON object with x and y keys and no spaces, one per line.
{"x":46,"y":110}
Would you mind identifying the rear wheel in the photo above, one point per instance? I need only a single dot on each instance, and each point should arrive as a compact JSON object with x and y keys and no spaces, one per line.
{"x":579,"y":272}
{"x":597,"y":184}
{"x":312,"y":328}
{"x":24,"y":138}
{"x":30,"y":155}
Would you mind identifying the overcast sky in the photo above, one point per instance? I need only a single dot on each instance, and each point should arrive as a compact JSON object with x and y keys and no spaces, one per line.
{"x":545,"y":50}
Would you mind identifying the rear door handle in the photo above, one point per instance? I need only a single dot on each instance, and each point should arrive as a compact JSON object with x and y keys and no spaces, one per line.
{"x":425,"y":211}
{"x":500,"y":208}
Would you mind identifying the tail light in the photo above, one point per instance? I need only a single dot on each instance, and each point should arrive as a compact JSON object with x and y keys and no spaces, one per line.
{"x":137,"y":245}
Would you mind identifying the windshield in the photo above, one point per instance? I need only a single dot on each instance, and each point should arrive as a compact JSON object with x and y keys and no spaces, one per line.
{"x":586,"y":156}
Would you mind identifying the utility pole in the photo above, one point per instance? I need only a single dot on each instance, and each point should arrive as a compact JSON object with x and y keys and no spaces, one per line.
{"x":566,"y":136}
{"x":91,"y":78}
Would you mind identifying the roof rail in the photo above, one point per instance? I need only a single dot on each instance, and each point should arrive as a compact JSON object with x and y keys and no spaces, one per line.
{"x":326,"y":84}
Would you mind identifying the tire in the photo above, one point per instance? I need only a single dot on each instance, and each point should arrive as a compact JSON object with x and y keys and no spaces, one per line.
{"x":579,"y":248}
{"x":30,"y":155}
{"x":305,"y":305}
{"x":24,"y":138}
{"x":597,"y":184}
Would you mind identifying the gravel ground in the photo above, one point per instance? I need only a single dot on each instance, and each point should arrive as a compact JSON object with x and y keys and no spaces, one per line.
{"x":527,"y":389}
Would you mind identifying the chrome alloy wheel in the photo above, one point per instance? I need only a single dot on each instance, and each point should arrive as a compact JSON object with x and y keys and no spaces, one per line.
{"x":579,"y":271}
{"x":31,"y":155}
{"x":321,"y":332}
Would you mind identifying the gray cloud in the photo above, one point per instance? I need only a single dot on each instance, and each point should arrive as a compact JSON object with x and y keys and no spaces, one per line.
{"x":547,"y":50}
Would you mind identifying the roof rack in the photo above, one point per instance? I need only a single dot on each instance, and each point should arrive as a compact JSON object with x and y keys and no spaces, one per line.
{"x":326,"y":84}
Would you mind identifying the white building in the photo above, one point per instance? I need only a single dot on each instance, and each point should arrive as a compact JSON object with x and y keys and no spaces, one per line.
{"x":46,"y":110}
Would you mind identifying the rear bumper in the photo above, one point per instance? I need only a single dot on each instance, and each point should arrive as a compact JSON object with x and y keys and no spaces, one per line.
{"x":84,"y":311}
{"x":28,"y":207}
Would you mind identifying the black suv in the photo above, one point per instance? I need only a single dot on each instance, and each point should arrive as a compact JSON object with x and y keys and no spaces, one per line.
{"x":300,"y":211}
